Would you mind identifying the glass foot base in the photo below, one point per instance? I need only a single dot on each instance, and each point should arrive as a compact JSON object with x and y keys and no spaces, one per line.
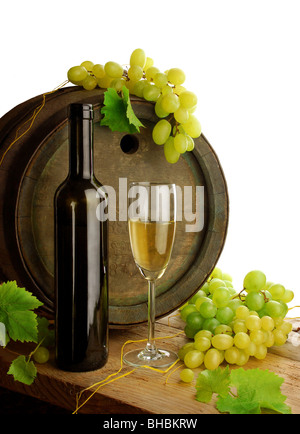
{"x":157,"y":359}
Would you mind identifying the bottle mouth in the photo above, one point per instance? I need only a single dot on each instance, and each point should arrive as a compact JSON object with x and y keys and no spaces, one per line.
{"x":82,"y":111}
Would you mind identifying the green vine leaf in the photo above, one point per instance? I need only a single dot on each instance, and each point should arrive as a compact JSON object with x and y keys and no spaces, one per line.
{"x":23,"y":370}
{"x":118,"y":112}
{"x":16,"y":312}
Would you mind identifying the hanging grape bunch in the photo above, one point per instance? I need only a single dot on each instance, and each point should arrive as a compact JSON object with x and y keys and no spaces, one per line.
{"x":174,"y":104}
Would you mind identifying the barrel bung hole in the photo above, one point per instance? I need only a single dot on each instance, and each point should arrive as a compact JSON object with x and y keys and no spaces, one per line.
{"x":129,"y":144}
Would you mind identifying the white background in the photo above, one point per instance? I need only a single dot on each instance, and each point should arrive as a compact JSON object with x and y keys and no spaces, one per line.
{"x":241,"y":58}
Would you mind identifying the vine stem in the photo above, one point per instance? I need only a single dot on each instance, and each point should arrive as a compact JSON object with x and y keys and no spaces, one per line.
{"x":32,"y":352}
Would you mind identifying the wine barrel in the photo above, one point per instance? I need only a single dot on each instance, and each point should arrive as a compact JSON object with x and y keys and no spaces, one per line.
{"x":37,"y":163}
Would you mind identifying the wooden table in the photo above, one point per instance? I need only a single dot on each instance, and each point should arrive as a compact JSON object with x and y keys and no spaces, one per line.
{"x":143,"y":391}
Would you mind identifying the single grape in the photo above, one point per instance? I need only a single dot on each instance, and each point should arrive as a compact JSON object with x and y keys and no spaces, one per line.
{"x":257,"y":336}
{"x":180,"y":143}
{"x":239,"y":325}
{"x":181,"y":115}
{"x":222,"y":342}
{"x":287,"y":296}
{"x":171,"y":155}
{"x":225,"y":315}
{"x":277,"y":291}
{"x":267,"y":323}
{"x":170,"y":102}
{"x":212,"y":359}
{"x":166,"y":89}
{"x":191,"y":143}
{"x":176,"y":76}
{"x":149,"y":62}
{"x":280,"y":338}
{"x":232,"y":355}
{"x":193,"y":359}
{"x":221,"y":296}
{"x":105,"y":81}
{"x":253,"y":322}
{"x":189,"y":332}
{"x":194,"y":320}
{"x":255,"y":301}
{"x":241,"y":340}
{"x":159,"y":110}
{"x":151,"y":93}
{"x":192,"y":127}
{"x":243,"y":358}
{"x":251,"y":349}
{"x":88,"y":65}
{"x":98,"y":70}
{"x":285,"y":327}
{"x":242,"y":312}
{"x":135,"y":73}
{"x":41,"y":355}
{"x":188,"y":99}
{"x":90,"y":82}
{"x":210,"y":324}
{"x":77,"y":74}
{"x":160,"y":79}
{"x":113,"y":69}
{"x":138,"y":57}
{"x":254,"y":281}
{"x":202,"y":343}
{"x":274,"y":309}
{"x":161,"y":132}
{"x":187,"y":375}
{"x":216,"y":273}
{"x":208,"y":309}
{"x":118,"y":84}
{"x":261,"y":352}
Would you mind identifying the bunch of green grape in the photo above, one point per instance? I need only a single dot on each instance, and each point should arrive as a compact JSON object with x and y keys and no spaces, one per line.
{"x":228,"y":326}
{"x":173,"y":103}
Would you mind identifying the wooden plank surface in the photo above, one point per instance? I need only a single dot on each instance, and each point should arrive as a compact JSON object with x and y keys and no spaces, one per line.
{"x":142,"y":391}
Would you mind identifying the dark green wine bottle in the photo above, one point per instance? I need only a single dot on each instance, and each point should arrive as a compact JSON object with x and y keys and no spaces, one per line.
{"x":81,"y":274}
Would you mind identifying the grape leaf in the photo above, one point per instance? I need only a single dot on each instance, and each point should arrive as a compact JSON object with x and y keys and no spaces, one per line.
{"x":118,"y":112}
{"x":256,"y":389}
{"x":16,"y":312}
{"x":209,"y":382}
{"x":133,"y":120}
{"x":23,"y":370}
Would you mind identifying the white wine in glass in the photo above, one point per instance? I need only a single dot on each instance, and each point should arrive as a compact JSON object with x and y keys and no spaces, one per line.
{"x":152,"y":225}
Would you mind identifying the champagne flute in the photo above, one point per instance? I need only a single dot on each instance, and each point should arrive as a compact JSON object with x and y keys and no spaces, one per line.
{"x":152,"y":224}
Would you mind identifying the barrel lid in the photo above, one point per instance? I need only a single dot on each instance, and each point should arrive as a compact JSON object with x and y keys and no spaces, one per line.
{"x":34,"y":167}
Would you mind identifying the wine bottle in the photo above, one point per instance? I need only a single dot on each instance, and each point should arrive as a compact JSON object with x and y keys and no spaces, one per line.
{"x":81,"y":275}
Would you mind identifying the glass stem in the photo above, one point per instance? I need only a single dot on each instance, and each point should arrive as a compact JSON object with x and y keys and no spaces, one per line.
{"x":151,"y":316}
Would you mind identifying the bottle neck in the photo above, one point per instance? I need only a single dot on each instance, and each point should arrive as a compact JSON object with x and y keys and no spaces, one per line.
{"x":81,"y":148}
